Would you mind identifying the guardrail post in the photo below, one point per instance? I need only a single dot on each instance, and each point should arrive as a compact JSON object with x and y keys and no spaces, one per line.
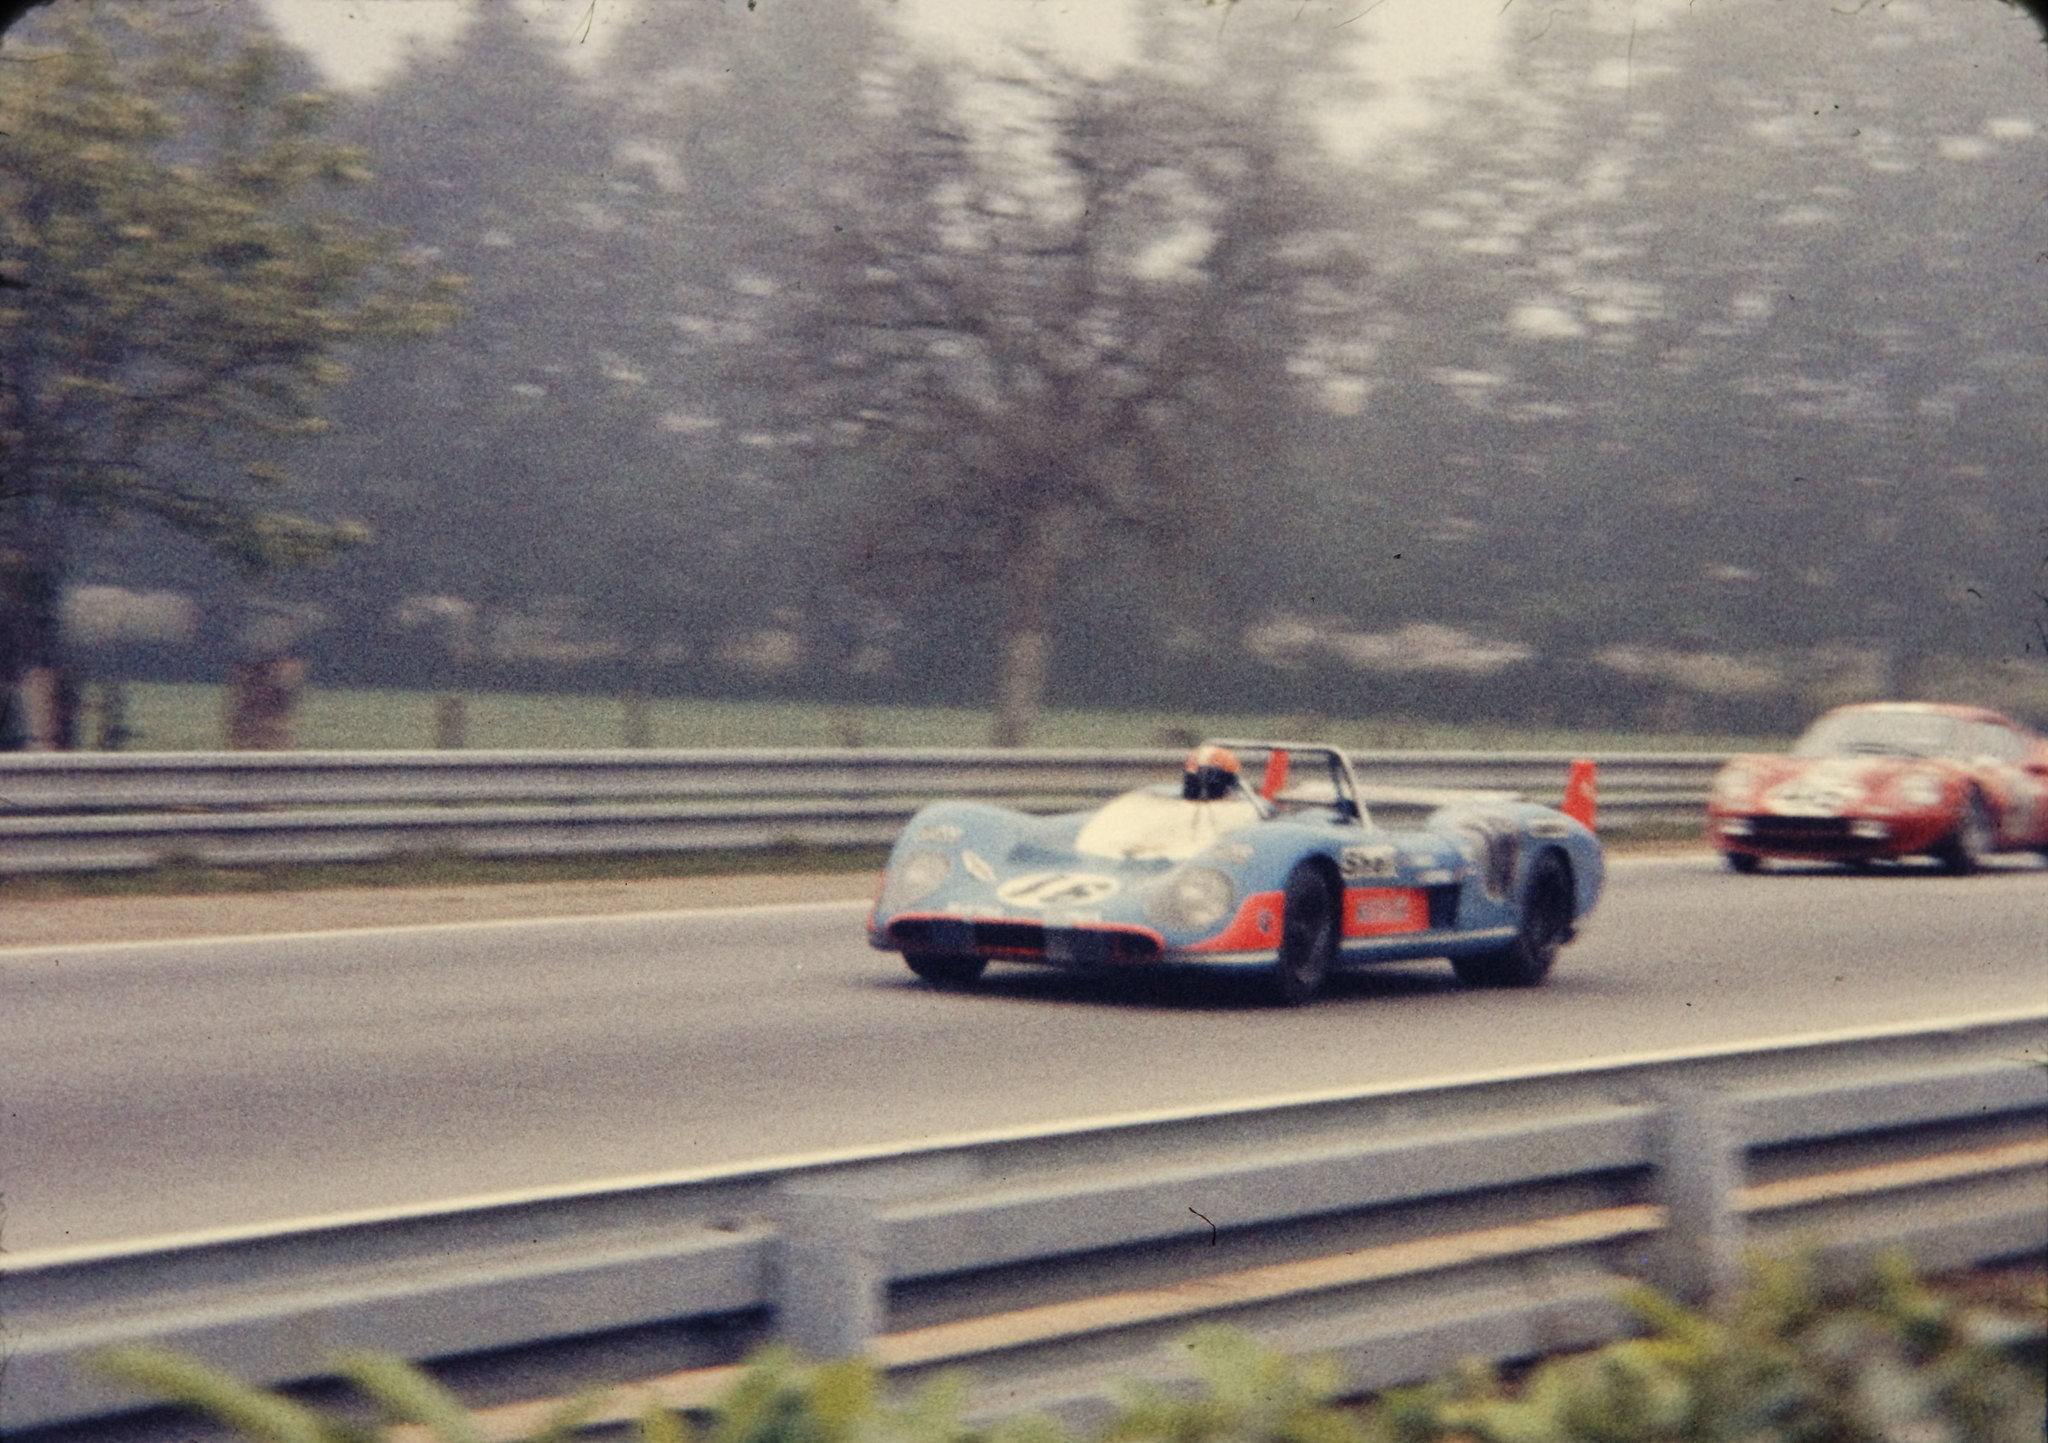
{"x":831,"y":1285}
{"x":1699,"y":1165}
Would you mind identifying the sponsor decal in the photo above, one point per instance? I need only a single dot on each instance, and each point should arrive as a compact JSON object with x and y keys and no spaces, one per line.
{"x":1380,"y":861}
{"x":1550,"y":827}
{"x":939,"y":832}
{"x":1374,"y":911}
{"x":1043,"y":890}
{"x":977,"y":868}
{"x":1435,"y":876}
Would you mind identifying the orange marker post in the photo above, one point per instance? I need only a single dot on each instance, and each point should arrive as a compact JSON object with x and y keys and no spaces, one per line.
{"x":1582,"y":794}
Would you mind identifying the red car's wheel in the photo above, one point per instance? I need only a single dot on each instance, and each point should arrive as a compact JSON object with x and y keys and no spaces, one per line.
{"x":1743,"y":862}
{"x":1976,"y":837}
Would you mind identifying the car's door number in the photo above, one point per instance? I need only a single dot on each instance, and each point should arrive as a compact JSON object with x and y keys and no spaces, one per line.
{"x":1056,"y":889}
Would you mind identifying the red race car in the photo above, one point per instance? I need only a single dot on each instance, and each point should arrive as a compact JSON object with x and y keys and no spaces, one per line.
{"x":1888,"y":779}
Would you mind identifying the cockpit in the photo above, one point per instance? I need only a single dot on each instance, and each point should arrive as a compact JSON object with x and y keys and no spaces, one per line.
{"x":1215,"y":798}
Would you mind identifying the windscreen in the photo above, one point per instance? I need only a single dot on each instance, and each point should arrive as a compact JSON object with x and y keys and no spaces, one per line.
{"x":1296,"y":776}
{"x":1879,"y":733}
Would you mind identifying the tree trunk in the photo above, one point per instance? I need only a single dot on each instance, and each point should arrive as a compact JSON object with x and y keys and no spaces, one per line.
{"x":261,"y":703}
{"x":1021,"y":688}
{"x":114,"y":731}
{"x":48,"y":704}
{"x":1902,"y":676}
{"x":39,"y":698}
{"x":451,"y":722}
{"x":1027,"y":637}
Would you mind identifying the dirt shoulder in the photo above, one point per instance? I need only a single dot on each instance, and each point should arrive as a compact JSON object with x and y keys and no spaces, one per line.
{"x":56,"y":921}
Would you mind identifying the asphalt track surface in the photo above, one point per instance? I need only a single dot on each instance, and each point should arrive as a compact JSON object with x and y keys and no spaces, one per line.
{"x":169,"y":1087}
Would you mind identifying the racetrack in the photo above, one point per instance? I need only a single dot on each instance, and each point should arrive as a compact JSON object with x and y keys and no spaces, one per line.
{"x":168,"y":1087}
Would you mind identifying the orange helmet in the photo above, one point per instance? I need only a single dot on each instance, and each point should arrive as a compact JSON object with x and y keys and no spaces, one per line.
{"x":1211,"y":774}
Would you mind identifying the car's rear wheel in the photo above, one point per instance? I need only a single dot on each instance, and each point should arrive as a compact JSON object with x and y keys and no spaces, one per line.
{"x":945,"y":971}
{"x":1743,"y":862}
{"x":1308,"y":936}
{"x":1974,"y":839}
{"x":1546,"y":924}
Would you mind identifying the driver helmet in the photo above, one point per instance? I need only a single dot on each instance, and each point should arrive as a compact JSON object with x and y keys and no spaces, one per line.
{"x":1211,"y":774}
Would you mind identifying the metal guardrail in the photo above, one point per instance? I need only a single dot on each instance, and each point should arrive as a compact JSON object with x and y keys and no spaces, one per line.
{"x":1397,"y":1227}
{"x":111,"y":811}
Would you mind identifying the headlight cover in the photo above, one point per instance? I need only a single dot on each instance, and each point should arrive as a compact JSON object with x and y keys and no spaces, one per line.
{"x":1733,"y":784}
{"x":916,"y":877}
{"x":1919,"y":789}
{"x":1190,"y":899}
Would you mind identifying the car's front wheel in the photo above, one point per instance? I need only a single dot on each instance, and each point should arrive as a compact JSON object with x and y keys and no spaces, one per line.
{"x":1974,"y":839}
{"x":1546,"y":924}
{"x":1743,"y":862}
{"x":945,"y":971}
{"x":1308,"y":936}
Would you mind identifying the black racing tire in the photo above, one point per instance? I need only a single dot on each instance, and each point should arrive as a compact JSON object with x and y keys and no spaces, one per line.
{"x":1547,"y":907}
{"x":1744,"y":862}
{"x":1309,"y":919}
{"x":942,"y":970}
{"x":1976,"y":837}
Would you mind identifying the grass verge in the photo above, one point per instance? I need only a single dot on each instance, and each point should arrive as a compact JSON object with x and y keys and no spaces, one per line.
{"x":182,"y":718}
{"x":439,"y":869}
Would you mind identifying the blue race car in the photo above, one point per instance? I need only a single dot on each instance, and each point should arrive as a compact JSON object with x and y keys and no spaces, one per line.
{"x":1288,"y":879}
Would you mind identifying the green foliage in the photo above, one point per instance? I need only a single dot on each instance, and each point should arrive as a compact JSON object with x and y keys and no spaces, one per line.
{"x":783,"y":1400}
{"x":250,"y":1412}
{"x":1891,"y":1361}
{"x":181,"y":287}
{"x":1247,"y":1394}
{"x":400,"y":1392}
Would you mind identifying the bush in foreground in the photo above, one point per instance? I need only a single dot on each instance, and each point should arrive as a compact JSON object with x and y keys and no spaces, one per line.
{"x":1890,"y":1361}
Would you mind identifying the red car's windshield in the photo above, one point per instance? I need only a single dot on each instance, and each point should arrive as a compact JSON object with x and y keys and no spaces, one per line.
{"x":1879,"y":733}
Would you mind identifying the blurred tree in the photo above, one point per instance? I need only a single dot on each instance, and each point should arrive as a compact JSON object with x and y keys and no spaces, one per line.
{"x":13,"y":10}
{"x":1088,"y":321}
{"x":174,"y":297}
